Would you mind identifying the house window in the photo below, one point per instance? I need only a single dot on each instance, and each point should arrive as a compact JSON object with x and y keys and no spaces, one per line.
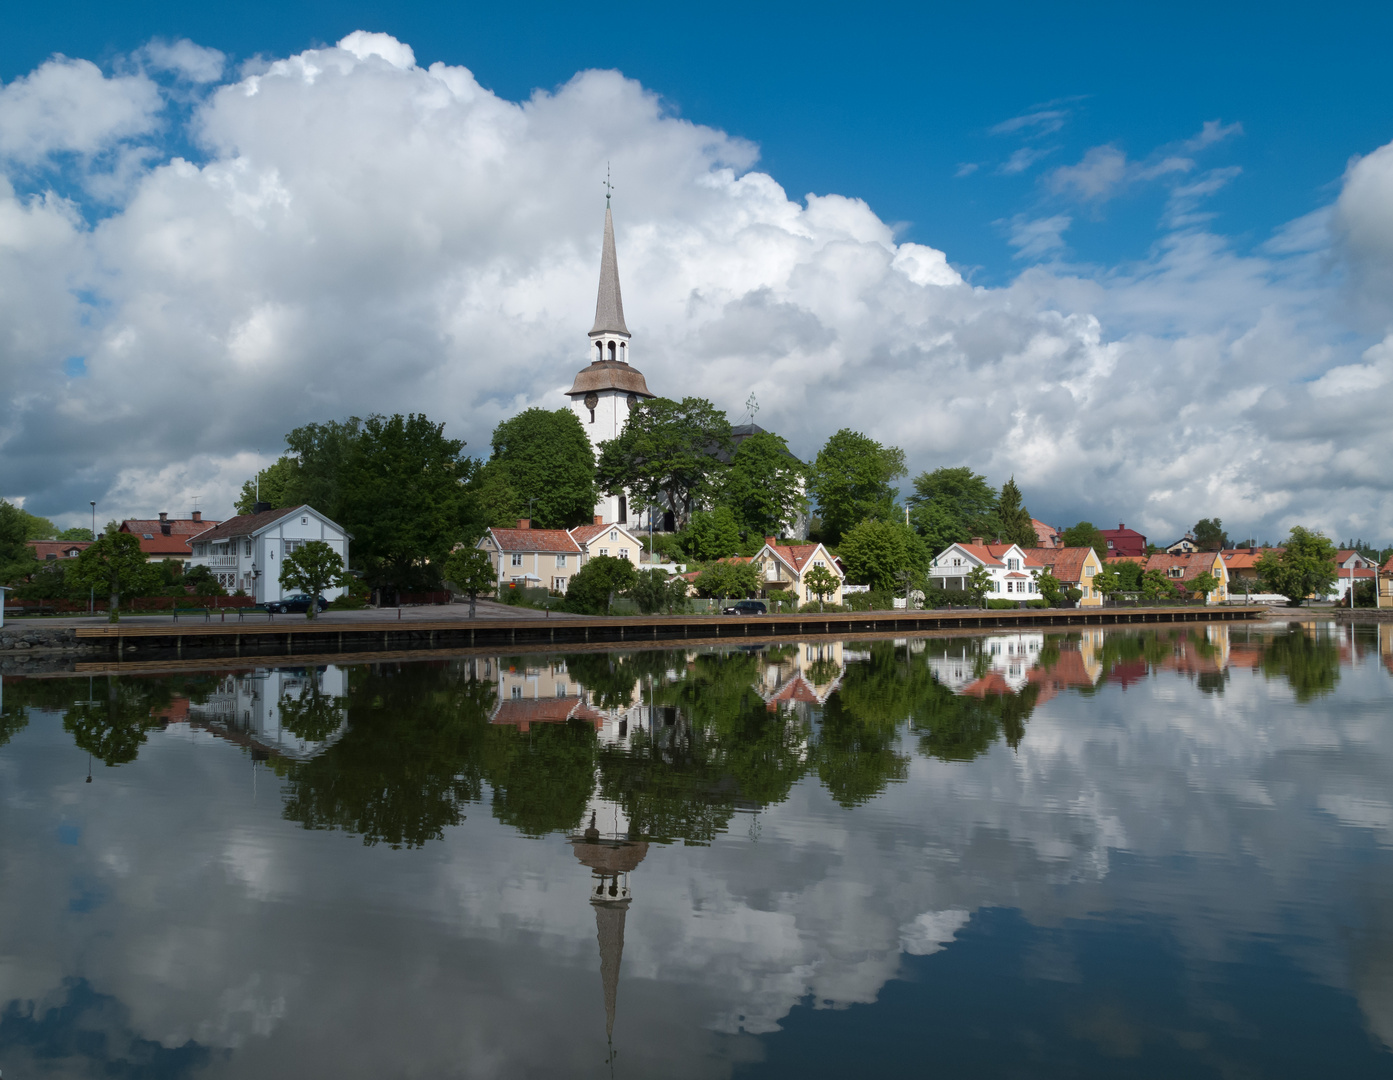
{"x":247,"y":546}
{"x":290,"y":545}
{"x":604,"y":551}
{"x":1010,"y":586}
{"x":517,"y":558}
{"x":561,"y":560}
{"x":558,"y":584}
{"x":592,"y":416}
{"x":1109,"y":543}
{"x":517,"y":693}
{"x":818,"y":562}
{"x":304,"y":521}
{"x":560,"y":689}
{"x":51,"y":555}
{"x":623,"y":553}
{"x":614,"y":534}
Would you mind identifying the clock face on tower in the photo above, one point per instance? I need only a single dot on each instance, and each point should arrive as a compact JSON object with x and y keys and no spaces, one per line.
{"x":633,"y":400}
{"x":591,"y":400}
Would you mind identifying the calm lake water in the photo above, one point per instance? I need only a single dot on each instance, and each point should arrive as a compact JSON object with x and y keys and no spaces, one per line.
{"x":1163,"y":854}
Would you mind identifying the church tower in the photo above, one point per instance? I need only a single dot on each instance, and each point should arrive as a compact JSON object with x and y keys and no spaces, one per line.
{"x":608,"y":387}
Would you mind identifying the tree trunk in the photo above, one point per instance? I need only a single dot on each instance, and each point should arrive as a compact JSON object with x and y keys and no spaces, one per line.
{"x":471,"y":604}
{"x":113,"y":612}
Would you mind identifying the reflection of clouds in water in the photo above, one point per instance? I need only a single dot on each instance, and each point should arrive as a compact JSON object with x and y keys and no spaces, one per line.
{"x":262,"y":936}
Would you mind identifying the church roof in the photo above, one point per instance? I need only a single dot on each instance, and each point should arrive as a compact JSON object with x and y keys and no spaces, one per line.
{"x":610,"y":375}
{"x":609,"y":305}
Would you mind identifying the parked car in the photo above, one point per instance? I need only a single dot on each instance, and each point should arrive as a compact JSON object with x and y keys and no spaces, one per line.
{"x":297,"y":603}
{"x":746,"y":607}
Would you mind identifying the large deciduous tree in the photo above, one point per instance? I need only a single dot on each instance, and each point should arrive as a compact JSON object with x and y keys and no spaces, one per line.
{"x":113,"y":567}
{"x":1304,"y":568}
{"x":851,"y":481}
{"x":881,"y":553}
{"x":1210,"y":535}
{"x":764,"y":485}
{"x":952,"y":505}
{"x":595,"y":585}
{"x":1085,"y":534}
{"x":712,"y":534}
{"x":310,"y":569}
{"x":471,"y":572}
{"x":726,"y":580}
{"x":545,"y":459}
{"x":666,"y":454}
{"x":16,"y":557}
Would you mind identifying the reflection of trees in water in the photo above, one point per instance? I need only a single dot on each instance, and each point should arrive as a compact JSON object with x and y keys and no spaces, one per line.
{"x":113,"y":724}
{"x":955,"y":727}
{"x":1309,"y":662}
{"x":313,"y":715}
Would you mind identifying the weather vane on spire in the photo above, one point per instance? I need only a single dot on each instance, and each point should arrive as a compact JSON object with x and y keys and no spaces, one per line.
{"x":609,"y":188}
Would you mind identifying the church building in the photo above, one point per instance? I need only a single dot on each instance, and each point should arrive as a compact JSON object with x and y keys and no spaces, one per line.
{"x":607,"y":388}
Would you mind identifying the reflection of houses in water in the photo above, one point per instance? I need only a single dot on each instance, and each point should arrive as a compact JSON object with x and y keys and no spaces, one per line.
{"x":545,"y":693}
{"x":805,"y":673}
{"x":999,"y":664}
{"x":254,"y":708}
{"x":611,"y":858}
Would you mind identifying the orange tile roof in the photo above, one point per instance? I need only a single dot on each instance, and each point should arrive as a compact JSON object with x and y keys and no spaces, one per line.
{"x":1243,"y":558}
{"x":154,"y":540}
{"x":1193,"y":564}
{"x":798,"y":555}
{"x":1065,"y":563}
{"x":58,"y":549}
{"x":1046,"y":536}
{"x":989,"y":554}
{"x":1387,"y":567}
{"x":524,"y":712}
{"x":557,"y":541}
{"x":583,"y":534}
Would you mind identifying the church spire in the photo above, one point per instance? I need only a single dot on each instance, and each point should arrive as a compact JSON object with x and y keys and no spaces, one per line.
{"x":609,"y":305}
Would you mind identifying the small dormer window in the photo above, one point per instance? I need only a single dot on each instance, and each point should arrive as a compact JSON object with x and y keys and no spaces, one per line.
{"x":614,"y":534}
{"x":304,"y":521}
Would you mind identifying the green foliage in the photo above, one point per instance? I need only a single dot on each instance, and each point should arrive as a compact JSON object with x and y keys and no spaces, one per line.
{"x":781,"y":600}
{"x":77,"y":532}
{"x":471,"y":572}
{"x":726,"y":580}
{"x":712,"y":534}
{"x":16,"y":557}
{"x":1364,"y":595}
{"x":593,"y":588}
{"x":544,"y":461}
{"x":764,"y":485}
{"x":1156,"y":586}
{"x":1013,"y":519}
{"x":1051,"y":591}
{"x":665,"y":454}
{"x":657,"y":590}
{"x":820,"y":582}
{"x":882,"y":553}
{"x":1304,"y":568}
{"x":115,"y":568}
{"x":113,"y":725}
{"x":1107,"y":580}
{"x":347,"y":602}
{"x":310,"y":569}
{"x":203,"y":582}
{"x":1210,"y":535}
{"x":851,"y":481}
{"x":1203,"y":584}
{"x":1003,"y":605}
{"x":668,"y":545}
{"x":951,"y":506}
{"x":275,"y":483}
{"x":40,"y":528}
{"x":1310,"y":663}
{"x":1085,"y":534}
{"x":978,"y":583}
{"x":313,"y":715}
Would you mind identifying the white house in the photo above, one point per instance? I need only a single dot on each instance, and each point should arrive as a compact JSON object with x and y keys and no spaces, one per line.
{"x":246,"y":552}
{"x":1012,"y":571}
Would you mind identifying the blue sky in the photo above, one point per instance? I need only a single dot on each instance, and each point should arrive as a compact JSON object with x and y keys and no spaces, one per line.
{"x":1139,"y":257}
{"x":889,"y":102}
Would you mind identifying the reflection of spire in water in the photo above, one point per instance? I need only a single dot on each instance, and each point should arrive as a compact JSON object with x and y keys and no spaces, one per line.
{"x":610,"y":859}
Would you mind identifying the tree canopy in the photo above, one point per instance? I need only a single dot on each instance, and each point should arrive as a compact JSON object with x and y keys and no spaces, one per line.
{"x":712,"y":534}
{"x":1210,"y":535}
{"x":593,"y":588}
{"x":881,"y":553}
{"x":665,"y":456}
{"x":542,"y":467}
{"x":1304,"y":568}
{"x":1014,"y":523}
{"x":951,"y":506}
{"x":851,"y":480}
{"x":1085,"y":534}
{"x":764,"y":485}
{"x":114,"y":567}
{"x":310,"y":569}
{"x":16,"y":556}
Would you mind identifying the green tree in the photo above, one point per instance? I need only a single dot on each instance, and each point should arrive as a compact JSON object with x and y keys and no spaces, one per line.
{"x":852,"y":481}
{"x":546,"y":461}
{"x":979,"y":583}
{"x":1203,"y":584}
{"x":764,"y":485}
{"x":1304,"y":568}
{"x":271,"y":485}
{"x":77,"y":532}
{"x":1210,"y":535}
{"x":820,"y":582}
{"x":310,"y":569}
{"x":951,"y":506}
{"x":1085,"y":534}
{"x":203,"y":582}
{"x":312,"y":715}
{"x":16,"y":556}
{"x":1309,"y":663}
{"x":113,"y":728}
{"x":471,"y":572}
{"x":114,"y":567}
{"x":666,"y":454}
{"x":722,"y":580}
{"x":657,"y":590}
{"x":879,"y":553}
{"x":593,"y":588}
{"x":1129,"y":575}
{"x":1050,"y":589}
{"x":1014,"y":523}
{"x":494,"y":500}
{"x":1156,"y":586}
{"x":1107,"y":580}
{"x":712,"y":534}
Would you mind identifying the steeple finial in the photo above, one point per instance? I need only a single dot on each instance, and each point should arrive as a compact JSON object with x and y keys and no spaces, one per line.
{"x":609,"y":188}
{"x":609,"y":305}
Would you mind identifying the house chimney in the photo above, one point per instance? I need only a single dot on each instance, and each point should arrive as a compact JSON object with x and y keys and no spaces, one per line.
{"x":163,"y":517}
{"x":771,"y":540}
{"x":261,"y":507}
{"x":524,"y":523}
{"x":1120,"y":526}
{"x":198,"y":515}
{"x":599,"y":519}
{"x":977,"y":540}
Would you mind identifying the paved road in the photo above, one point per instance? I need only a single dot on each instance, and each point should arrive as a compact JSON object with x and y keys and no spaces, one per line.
{"x":487,"y":609}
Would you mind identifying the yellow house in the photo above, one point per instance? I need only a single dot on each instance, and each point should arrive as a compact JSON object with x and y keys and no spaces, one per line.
{"x":1073,"y":567}
{"x":1182,"y":569}
{"x":785,"y":566}
{"x":549,"y":558}
{"x":1384,"y":586}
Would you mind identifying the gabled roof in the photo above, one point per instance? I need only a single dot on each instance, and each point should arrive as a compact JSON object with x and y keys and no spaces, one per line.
{"x":549,"y":541}
{"x":154,"y":540}
{"x":1046,"y":535}
{"x":251,"y":524}
{"x":990,"y":554}
{"x":1194,"y":563}
{"x":1065,"y":563}
{"x":57,"y":548}
{"x":524,"y":712}
{"x":798,"y":556}
{"x":583,"y":534}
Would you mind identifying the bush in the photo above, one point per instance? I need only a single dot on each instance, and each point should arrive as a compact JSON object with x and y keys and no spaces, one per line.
{"x":347,"y":603}
{"x":828,"y":608}
{"x":669,"y":546}
{"x":1002,"y":605}
{"x":1037,"y":603}
{"x":937,"y":598}
{"x":1364,"y":595}
{"x":869,"y":601}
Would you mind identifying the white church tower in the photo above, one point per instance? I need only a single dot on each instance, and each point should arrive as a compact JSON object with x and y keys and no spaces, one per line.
{"x":608,"y":387}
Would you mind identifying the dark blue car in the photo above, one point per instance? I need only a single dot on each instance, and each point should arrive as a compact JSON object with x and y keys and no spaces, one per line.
{"x":297,"y":603}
